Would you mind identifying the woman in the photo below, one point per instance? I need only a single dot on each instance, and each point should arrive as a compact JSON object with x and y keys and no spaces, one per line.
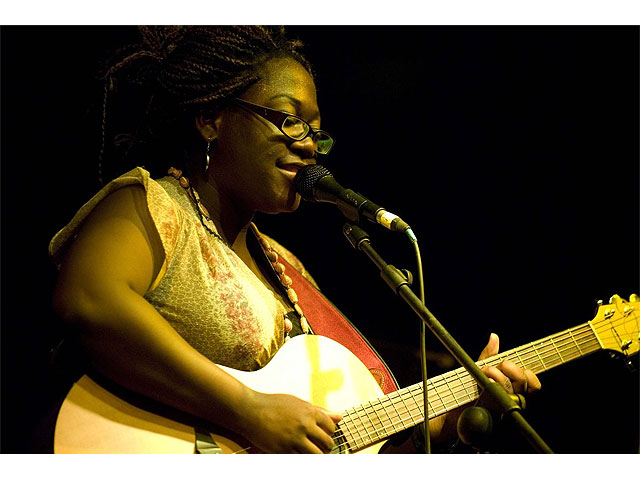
{"x":158,"y":280}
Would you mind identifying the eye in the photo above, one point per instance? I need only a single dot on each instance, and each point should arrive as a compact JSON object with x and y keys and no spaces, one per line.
{"x":294,"y":127}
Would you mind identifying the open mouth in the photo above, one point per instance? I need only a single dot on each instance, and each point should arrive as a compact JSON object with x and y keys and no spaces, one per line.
{"x":290,"y":169}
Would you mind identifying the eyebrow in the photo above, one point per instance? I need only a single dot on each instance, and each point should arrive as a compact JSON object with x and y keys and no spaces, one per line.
{"x":297,"y":103}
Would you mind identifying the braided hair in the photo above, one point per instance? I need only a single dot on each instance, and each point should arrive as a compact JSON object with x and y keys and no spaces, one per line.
{"x":176,"y":73}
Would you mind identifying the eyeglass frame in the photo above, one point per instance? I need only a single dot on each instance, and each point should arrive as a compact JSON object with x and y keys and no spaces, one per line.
{"x":277,"y":118}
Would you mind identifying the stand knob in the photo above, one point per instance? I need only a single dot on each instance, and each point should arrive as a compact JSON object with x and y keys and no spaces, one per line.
{"x":475,"y":427}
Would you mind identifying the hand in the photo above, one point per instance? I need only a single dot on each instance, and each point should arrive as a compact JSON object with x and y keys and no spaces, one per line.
{"x":279,"y":423}
{"x":513,"y":378}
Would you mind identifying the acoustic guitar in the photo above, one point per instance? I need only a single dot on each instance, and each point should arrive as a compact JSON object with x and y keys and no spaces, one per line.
{"x":323,"y":372}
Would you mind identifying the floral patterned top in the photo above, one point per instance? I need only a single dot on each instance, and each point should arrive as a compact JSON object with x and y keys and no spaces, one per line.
{"x":204,"y":290}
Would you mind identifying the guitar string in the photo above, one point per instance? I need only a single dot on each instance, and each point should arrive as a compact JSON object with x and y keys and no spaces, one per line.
{"x":464,"y":384}
{"x":385,"y":427}
{"x":569,"y":335}
{"x":521,"y":355}
{"x":553,"y":351}
{"x":403,"y":425}
{"x":358,"y":439}
{"x":401,"y":421}
{"x":549,"y":348}
{"x":366,"y":428}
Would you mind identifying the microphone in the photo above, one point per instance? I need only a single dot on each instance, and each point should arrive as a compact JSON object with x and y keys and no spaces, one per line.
{"x":315,"y":183}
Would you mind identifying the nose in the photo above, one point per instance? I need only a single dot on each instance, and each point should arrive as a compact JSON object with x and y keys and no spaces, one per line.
{"x":306,"y":147}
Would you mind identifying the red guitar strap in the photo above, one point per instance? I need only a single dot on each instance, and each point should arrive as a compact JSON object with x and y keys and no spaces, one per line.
{"x":325,"y":319}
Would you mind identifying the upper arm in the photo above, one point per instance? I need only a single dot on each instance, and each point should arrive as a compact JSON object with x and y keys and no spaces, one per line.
{"x":116,"y":246}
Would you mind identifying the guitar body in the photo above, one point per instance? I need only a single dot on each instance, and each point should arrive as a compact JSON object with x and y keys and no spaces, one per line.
{"x":323,"y":372}
{"x":314,"y":368}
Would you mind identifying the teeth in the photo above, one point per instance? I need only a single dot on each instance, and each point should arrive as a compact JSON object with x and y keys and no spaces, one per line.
{"x":290,"y":168}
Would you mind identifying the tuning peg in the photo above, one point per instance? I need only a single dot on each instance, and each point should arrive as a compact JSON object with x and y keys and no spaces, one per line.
{"x":599,"y":302}
{"x":614,"y":298}
{"x":634,"y":298}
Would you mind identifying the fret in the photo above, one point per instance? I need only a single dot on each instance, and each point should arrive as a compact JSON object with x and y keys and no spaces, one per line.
{"x":376,"y":425}
{"x":462,"y":378}
{"x":398,"y":423}
{"x":406,"y":407}
{"x":572,"y":346}
{"x":595,"y":335}
{"x":433,"y":391}
{"x":344,"y":425}
{"x":414,"y":399}
{"x":383,"y":417}
{"x":445,"y":388}
{"x":567,"y":347}
{"x":418,"y":391}
{"x":522,"y":356}
{"x":591,"y":344}
{"x":360,"y":429}
{"x":544,"y":367}
{"x":448,"y":385}
{"x":367,"y":428}
{"x":518,"y":358}
{"x":550,"y":355}
{"x":339,"y":441}
{"x":389,"y":423}
{"x":556,"y":349}
{"x":536,"y":363}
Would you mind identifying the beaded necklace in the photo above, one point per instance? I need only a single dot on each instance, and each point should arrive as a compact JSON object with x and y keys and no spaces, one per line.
{"x":271,"y":254}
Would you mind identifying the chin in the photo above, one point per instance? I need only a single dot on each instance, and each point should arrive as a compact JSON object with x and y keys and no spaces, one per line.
{"x":292,"y":204}
{"x":289,"y":204}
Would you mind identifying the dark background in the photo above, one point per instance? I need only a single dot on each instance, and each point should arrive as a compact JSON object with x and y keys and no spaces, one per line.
{"x":512,"y":151}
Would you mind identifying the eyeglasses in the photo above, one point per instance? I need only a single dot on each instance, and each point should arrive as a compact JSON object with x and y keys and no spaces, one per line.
{"x":292,"y":126}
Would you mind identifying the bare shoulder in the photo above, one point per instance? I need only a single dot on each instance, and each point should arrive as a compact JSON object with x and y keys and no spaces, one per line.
{"x":117,"y":240}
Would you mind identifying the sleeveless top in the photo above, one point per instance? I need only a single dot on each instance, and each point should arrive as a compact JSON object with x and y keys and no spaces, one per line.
{"x":204,"y":290}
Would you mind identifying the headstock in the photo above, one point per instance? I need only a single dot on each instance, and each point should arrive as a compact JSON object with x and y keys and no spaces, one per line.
{"x":617,"y":324}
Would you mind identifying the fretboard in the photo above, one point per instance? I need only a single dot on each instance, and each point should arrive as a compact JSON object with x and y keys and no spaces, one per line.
{"x":374,"y":421}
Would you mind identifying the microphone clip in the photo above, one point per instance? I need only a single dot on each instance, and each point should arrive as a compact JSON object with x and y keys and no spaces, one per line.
{"x":394,"y":277}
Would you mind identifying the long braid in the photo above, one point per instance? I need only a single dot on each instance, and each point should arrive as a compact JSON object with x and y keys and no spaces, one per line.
{"x":185,"y":71}
{"x":103,"y":131}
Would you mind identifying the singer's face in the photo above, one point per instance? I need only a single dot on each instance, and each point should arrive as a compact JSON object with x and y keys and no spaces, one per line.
{"x":255,"y":162}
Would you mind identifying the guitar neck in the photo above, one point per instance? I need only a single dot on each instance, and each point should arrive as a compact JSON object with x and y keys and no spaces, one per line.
{"x":374,"y":421}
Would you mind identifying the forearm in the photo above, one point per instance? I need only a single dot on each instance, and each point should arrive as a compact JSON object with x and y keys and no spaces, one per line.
{"x":130,"y":343}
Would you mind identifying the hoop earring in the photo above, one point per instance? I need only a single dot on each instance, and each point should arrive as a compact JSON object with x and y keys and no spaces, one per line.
{"x":207,"y":158}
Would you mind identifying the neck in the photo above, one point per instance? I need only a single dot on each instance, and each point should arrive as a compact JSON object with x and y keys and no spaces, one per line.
{"x":228,"y":215}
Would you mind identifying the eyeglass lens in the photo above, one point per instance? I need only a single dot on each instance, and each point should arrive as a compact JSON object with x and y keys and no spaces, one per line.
{"x":297,"y":129}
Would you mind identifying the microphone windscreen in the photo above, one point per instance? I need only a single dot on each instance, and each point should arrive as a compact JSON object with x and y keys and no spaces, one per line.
{"x":306,"y":179}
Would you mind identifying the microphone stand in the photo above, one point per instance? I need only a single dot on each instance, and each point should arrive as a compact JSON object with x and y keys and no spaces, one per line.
{"x":507,"y":404}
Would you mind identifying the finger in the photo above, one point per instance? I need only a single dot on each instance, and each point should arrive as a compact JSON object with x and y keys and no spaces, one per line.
{"x":492,"y":347}
{"x":307,"y":446}
{"x":524,"y":381}
{"x":495,"y":374}
{"x":327,"y":421}
{"x":334,"y":416}
{"x":533,"y":382}
{"x":323,"y":441}
{"x":516,"y":374}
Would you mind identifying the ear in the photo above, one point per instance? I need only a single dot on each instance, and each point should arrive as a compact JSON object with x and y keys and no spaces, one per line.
{"x":208,"y":127}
